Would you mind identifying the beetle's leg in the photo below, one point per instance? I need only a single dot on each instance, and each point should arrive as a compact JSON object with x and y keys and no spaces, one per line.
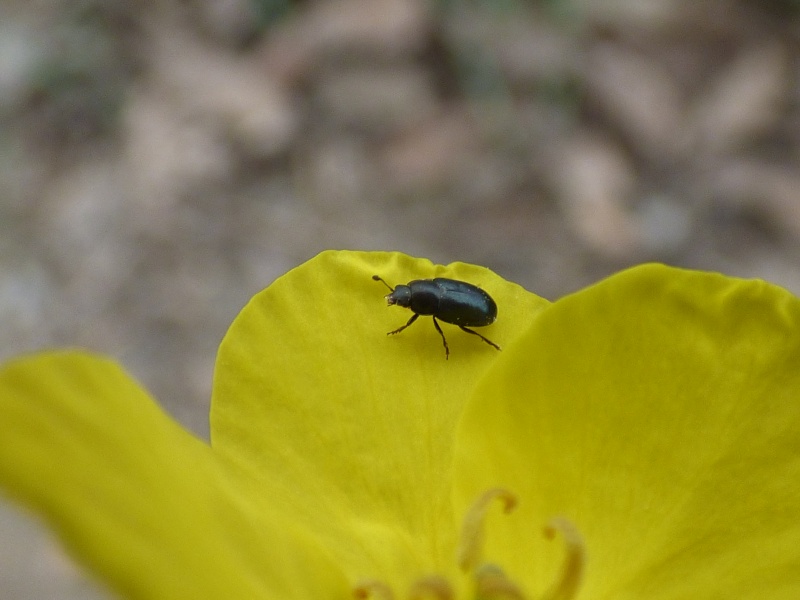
{"x":490,"y":342}
{"x":410,"y":321}
{"x":444,"y":341}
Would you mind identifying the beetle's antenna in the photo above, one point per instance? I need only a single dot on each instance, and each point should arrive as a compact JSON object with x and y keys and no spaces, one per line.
{"x":378,"y":278}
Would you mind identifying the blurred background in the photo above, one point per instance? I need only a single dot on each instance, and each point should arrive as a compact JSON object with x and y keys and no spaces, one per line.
{"x":162,"y":161}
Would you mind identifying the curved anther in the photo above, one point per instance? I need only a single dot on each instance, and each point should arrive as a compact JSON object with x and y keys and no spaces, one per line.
{"x":472,"y":533}
{"x":568,"y":582}
{"x":492,"y":584}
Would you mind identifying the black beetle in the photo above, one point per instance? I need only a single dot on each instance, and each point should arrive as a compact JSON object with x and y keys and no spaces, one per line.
{"x":449,"y":300}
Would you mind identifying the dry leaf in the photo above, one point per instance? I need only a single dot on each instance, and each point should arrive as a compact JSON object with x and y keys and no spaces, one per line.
{"x":743,"y":101}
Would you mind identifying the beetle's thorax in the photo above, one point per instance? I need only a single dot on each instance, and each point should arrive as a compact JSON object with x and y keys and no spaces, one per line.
{"x":426,"y":297}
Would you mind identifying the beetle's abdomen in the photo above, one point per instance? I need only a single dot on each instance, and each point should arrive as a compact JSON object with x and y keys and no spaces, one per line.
{"x":462,"y":303}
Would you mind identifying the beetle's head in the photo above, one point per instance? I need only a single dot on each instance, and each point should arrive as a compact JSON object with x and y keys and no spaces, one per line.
{"x":401,"y":295}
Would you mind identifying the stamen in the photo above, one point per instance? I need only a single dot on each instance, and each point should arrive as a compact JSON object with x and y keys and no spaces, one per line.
{"x":492,"y":584}
{"x":372,"y":588}
{"x":472,"y":533}
{"x":432,"y":587}
{"x":566,"y":586}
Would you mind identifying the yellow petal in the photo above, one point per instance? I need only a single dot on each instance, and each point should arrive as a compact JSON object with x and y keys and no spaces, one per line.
{"x":135,"y":497}
{"x":351,"y":429}
{"x":659,"y":411}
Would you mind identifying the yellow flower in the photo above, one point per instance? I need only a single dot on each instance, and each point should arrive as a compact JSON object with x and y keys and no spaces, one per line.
{"x":652,"y":421}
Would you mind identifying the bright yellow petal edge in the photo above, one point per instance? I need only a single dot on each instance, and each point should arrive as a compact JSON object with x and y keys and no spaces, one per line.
{"x":352,"y":430}
{"x":134,"y":496}
{"x":658,"y":411}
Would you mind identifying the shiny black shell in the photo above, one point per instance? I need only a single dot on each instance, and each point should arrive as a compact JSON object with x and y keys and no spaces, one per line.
{"x":449,"y":300}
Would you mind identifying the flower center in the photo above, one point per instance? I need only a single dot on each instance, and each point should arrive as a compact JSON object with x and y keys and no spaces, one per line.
{"x":490,"y":583}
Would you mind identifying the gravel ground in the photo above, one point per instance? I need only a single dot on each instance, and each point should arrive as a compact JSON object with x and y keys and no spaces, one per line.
{"x":161,"y":162}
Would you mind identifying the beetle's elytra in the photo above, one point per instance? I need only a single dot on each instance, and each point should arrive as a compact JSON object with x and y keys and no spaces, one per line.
{"x":449,"y":300}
